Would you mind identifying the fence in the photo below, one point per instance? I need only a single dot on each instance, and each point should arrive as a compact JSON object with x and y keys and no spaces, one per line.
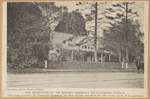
{"x":83,"y":65}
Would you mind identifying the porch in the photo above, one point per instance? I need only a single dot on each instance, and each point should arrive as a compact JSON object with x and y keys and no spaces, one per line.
{"x":89,"y":56}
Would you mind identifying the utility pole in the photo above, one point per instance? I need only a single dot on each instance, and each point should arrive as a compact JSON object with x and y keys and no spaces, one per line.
{"x":95,"y":38}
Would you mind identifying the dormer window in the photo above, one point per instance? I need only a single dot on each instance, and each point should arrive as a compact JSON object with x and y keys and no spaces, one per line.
{"x":70,"y":40}
{"x":64,"y":42}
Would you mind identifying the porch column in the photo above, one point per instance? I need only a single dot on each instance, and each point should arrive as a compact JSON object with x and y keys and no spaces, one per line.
{"x":82,"y":56}
{"x":105,"y":57}
{"x":109,"y":57}
{"x":101,"y":57}
{"x":72,"y":55}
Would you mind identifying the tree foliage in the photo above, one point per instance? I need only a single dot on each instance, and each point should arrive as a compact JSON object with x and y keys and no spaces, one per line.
{"x":117,"y":35}
{"x":72,"y":22}
{"x":50,"y":11}
{"x":123,"y":11}
{"x":27,"y":36}
{"x":90,"y":17}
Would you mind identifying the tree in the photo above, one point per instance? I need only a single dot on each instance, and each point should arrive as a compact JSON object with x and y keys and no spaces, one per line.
{"x":50,"y":11}
{"x":124,"y":12}
{"x":116,"y":36}
{"x":28,"y":34}
{"x":92,"y":6}
{"x":73,"y":23}
{"x":95,"y":39}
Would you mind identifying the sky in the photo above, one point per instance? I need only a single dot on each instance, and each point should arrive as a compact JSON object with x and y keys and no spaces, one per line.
{"x":137,"y":6}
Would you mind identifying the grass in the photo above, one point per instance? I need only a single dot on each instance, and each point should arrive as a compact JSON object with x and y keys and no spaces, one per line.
{"x":39,"y":70}
{"x":25,"y":70}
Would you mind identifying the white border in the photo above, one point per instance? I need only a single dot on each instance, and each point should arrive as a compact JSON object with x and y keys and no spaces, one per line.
{"x":4,"y":47}
{"x":128,"y":91}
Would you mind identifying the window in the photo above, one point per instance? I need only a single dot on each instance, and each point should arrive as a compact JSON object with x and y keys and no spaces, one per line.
{"x":88,"y":47}
{"x":85,"y":46}
{"x":82,"y":46}
{"x":57,"y":51}
{"x":64,"y":42}
{"x":68,"y":44}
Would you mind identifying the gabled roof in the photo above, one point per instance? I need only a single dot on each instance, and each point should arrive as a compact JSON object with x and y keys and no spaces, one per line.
{"x":59,"y":38}
{"x":91,"y":40}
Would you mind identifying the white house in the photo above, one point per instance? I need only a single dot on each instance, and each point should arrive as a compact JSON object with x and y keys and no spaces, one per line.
{"x":73,"y":43}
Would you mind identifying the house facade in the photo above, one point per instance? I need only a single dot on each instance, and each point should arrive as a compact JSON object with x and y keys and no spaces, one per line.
{"x":79,"y":48}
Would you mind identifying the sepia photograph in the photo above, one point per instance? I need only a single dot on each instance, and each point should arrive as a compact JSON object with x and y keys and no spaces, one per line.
{"x":80,"y":44}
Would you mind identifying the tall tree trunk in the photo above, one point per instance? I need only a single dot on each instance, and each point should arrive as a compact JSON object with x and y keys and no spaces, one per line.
{"x":127,"y":59}
{"x":109,"y":58}
{"x":127,"y":55}
{"x":119,"y":53}
{"x":95,"y":38}
{"x":72,"y":55}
